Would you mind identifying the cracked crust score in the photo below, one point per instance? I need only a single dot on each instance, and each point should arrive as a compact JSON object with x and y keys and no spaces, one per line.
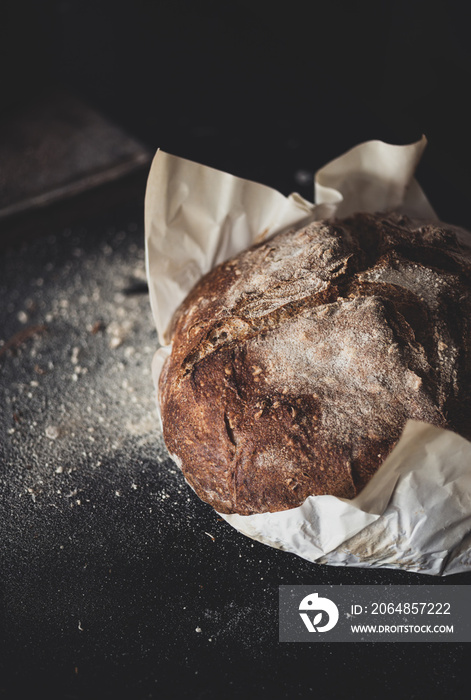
{"x":296,"y":365}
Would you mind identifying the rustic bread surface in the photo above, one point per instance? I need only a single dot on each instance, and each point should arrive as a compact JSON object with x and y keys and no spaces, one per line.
{"x":296,"y":365}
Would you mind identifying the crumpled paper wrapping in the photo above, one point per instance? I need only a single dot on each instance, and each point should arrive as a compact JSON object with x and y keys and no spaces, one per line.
{"x":415,"y":514}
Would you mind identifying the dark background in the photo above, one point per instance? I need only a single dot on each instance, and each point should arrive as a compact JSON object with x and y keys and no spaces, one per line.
{"x":258,"y":88}
{"x":269,"y":92}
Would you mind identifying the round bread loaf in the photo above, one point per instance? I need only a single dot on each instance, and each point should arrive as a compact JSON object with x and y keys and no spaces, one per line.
{"x":295,"y":365}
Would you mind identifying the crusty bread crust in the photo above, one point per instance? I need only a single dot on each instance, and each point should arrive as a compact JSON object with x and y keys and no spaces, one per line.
{"x":296,"y":365}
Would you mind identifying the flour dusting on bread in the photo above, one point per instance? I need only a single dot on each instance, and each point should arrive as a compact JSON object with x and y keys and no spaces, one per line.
{"x":296,"y":365}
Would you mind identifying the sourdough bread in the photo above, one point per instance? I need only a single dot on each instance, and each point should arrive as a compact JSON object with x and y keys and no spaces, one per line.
{"x":295,"y":366}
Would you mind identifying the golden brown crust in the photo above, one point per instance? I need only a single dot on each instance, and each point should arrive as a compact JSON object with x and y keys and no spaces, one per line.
{"x":296,"y":365}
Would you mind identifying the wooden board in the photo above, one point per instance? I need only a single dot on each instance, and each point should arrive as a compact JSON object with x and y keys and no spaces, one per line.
{"x":57,"y":147}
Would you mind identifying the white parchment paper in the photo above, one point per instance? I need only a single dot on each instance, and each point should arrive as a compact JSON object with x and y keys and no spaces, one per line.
{"x":415,"y":513}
